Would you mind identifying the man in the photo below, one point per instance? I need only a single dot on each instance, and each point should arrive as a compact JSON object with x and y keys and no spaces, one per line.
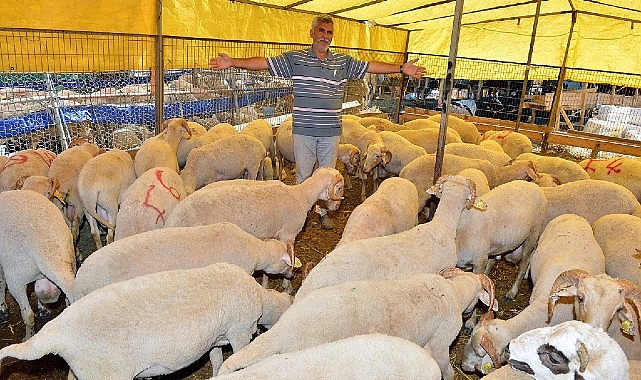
{"x":318,"y":77}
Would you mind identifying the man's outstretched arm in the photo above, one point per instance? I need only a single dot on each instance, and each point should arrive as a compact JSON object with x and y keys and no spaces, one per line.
{"x":224,"y":61}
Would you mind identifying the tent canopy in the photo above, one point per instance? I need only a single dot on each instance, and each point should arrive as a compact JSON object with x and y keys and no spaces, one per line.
{"x":600,"y":35}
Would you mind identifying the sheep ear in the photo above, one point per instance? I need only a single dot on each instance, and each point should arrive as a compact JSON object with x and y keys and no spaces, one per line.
{"x":485,"y":298}
{"x":19,"y":183}
{"x":584,"y":355}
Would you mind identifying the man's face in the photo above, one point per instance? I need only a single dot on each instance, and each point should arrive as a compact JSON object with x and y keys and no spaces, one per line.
{"x":322,"y":35}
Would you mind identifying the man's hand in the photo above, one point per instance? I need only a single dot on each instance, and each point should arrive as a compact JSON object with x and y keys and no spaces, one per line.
{"x":409,"y":68}
{"x":223,"y":61}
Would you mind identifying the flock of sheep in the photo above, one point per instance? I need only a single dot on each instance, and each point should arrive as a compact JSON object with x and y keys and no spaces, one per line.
{"x":198,"y":212}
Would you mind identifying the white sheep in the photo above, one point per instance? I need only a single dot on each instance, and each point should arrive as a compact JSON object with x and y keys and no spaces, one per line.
{"x":66,"y":168}
{"x":422,"y":123}
{"x":425,"y":309}
{"x":161,"y":150}
{"x":618,"y":236}
{"x":391,"y":209}
{"x":588,"y":198}
{"x":229,"y":157}
{"x":547,"y":180}
{"x":477,"y":151}
{"x":101,"y":183}
{"x":263,"y":131}
{"x":565,"y":170}
{"x":182,"y":248}
{"x":23,"y":164}
{"x":624,"y":171}
{"x":138,"y":327}
{"x":492,"y":144}
{"x":467,"y":130}
{"x":570,"y":350}
{"x":360,"y":357}
{"x":426,"y":248}
{"x":47,"y":186}
{"x":510,"y":226}
{"x":513,"y":143}
{"x":402,"y":151}
{"x":186,"y":145}
{"x":3,"y":160}
{"x":566,"y":243}
{"x":148,"y":201}
{"x":35,"y":244}
{"x":421,"y":171}
{"x":428,"y":138}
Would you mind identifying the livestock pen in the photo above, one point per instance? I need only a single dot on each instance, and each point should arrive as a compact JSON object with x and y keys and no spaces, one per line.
{"x":565,"y":73}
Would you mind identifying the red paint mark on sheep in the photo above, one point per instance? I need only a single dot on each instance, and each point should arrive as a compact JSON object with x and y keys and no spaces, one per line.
{"x":613,"y":166}
{"x":16,"y":159}
{"x":46,"y":156}
{"x":172,"y":190}
{"x":146,"y":203}
{"x":588,"y":167}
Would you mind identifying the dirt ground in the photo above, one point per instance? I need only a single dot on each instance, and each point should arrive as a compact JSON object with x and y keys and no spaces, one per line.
{"x":312,"y":244}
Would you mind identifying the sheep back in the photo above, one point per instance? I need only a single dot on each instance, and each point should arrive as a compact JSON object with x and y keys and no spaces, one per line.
{"x":624,"y":171}
{"x":23,"y":164}
{"x":468,"y":131}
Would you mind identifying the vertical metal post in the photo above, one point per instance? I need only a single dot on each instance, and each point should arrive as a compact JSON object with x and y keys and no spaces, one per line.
{"x":159,"y":70}
{"x":527,"y":67}
{"x":55,"y":110}
{"x":403,"y":82}
{"x":446,"y":95}
{"x":556,"y":102}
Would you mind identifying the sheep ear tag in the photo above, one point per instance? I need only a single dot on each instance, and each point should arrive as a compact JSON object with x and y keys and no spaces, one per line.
{"x":487,"y":367}
{"x":297,"y":263}
{"x":479,"y":204}
{"x":432,"y":190}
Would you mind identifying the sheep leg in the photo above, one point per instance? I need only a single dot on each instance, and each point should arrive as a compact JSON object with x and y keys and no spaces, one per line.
{"x":479,"y":266}
{"x":216,"y":359}
{"x":490,"y":265}
{"x":19,"y":293}
{"x":442,"y":356}
{"x":363,"y":186}
{"x":95,"y":232}
{"x":239,"y":337}
{"x":4,"y":314}
{"x":265,"y":282}
{"x":287,"y":286}
{"x":524,"y":263}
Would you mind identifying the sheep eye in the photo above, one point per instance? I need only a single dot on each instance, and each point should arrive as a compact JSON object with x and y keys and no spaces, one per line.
{"x":580,"y":298}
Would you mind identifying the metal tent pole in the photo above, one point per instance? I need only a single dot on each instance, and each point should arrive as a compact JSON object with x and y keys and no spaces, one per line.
{"x":446,"y":95}
{"x":527,"y":67}
{"x":159,"y":70}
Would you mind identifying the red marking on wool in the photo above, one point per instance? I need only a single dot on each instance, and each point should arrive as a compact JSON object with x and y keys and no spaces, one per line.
{"x":172,"y":190}
{"x":146,"y":203}
{"x":613,"y":167}
{"x":16,"y":159}
{"x":587,"y":166}
{"x":46,"y":156}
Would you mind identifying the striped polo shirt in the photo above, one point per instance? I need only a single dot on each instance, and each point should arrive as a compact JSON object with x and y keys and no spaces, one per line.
{"x":318,"y":88}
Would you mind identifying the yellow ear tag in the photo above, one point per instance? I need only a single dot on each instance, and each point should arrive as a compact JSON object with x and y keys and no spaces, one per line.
{"x":626,"y":327}
{"x":297,"y":263}
{"x":480,"y":204}
{"x":486,"y":367}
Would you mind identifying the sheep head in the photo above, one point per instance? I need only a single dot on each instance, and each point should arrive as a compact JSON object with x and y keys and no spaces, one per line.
{"x":487,"y":294}
{"x":482,"y":350}
{"x":376,"y":154}
{"x":174,"y":126}
{"x":564,"y":285}
{"x":335,"y":192}
{"x":472,"y":200}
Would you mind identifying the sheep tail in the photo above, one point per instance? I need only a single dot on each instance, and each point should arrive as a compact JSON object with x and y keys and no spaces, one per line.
{"x":91,"y":209}
{"x":32,"y":349}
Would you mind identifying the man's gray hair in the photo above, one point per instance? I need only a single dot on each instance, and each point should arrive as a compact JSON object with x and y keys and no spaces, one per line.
{"x":324,"y":19}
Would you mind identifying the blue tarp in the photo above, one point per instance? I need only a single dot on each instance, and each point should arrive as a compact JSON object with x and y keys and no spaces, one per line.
{"x":133,"y":114}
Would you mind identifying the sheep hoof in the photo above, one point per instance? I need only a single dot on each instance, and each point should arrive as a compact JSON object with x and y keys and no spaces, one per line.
{"x":43,"y":314}
{"x":509,"y":297}
{"x":4,"y":316}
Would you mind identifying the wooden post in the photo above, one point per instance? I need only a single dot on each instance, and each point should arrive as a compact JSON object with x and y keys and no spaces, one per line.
{"x":159,"y":70}
{"x":556,"y":102}
{"x":446,"y":95}
{"x":527,"y":67}
{"x":584,"y":96}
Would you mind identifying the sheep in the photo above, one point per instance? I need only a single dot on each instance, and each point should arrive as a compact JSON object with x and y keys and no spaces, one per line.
{"x":477,"y":151}
{"x":161,"y":150}
{"x":565,"y":170}
{"x":566,"y":243}
{"x":369,"y":121}
{"x":391,"y":209}
{"x":425,"y":309}
{"x":428,"y":138}
{"x":468,"y":131}
{"x":624,"y":171}
{"x":145,"y":332}
{"x":182,"y":248}
{"x":47,"y":186}
{"x":588,"y":198}
{"x":422,"y":123}
{"x":479,"y":179}
{"x":229,"y":157}
{"x":148,"y":201}
{"x":66,"y":168}
{"x":23,"y":164}
{"x":421,"y":171}
{"x":101,"y":183}
{"x":364,"y":357}
{"x":572,"y":348}
{"x":266,"y":209}
{"x":186,"y":145}
{"x":513,"y":143}
{"x":35,"y":244}
{"x":547,"y":180}
{"x":388,"y":126}
{"x":370,"y":145}
{"x":3,"y":160}
{"x":426,"y":248}
{"x":618,"y":236}
{"x":263,"y":131}
{"x":402,"y":151}
{"x":507,"y":373}
{"x":510,"y":226}
{"x":492,"y":144}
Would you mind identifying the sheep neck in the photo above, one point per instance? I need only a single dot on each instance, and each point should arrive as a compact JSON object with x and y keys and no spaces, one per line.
{"x":449,"y":209}
{"x":312,"y":188}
